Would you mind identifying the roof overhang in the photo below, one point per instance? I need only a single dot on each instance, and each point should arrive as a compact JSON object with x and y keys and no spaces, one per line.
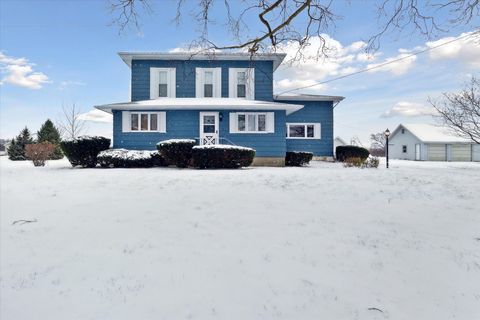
{"x":307,"y":97}
{"x":200,"y":104}
{"x":277,"y":58}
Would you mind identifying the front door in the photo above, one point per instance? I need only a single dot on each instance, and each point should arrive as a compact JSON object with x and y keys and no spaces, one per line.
{"x":208,"y":128}
{"x":417,"y":151}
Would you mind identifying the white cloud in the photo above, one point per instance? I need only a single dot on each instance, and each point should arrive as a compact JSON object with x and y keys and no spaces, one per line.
{"x":96,"y":115}
{"x":397,"y":68}
{"x":314,"y":67}
{"x":466,"y":50}
{"x":66,"y":84}
{"x":408,"y":109}
{"x":19,"y":72}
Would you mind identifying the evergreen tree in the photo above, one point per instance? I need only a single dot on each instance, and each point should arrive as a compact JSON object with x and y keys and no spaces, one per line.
{"x":49,"y":133}
{"x":16,"y":150}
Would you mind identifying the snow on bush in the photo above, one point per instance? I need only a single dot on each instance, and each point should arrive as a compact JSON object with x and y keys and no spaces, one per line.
{"x":123,"y":158}
{"x":222,"y":156}
{"x":177,"y":152}
{"x":176,"y":141}
{"x":83,"y":151}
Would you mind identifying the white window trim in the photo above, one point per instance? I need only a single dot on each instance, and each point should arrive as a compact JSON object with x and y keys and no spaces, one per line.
{"x":200,"y":81}
{"x":127,"y":122}
{"x":250,"y":83}
{"x":269,"y":122}
{"x":155,"y":79}
{"x":317,"y":130}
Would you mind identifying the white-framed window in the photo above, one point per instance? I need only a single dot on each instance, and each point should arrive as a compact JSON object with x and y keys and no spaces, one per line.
{"x":208,"y":82}
{"x":143,"y":121}
{"x":303,"y":131}
{"x":404,"y":149}
{"x":162,"y":83}
{"x":241,"y":83}
{"x":252,"y":122}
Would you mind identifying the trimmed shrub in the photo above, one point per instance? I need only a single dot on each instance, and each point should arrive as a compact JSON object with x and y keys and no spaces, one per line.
{"x":39,"y":153}
{"x":298,"y":158}
{"x":222,"y":156}
{"x":83,"y":151}
{"x":176,"y":152}
{"x":345,"y":152}
{"x":158,"y":160}
{"x":122,"y":158}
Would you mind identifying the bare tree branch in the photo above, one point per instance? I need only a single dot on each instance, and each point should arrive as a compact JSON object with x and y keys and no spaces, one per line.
{"x":69,"y":124}
{"x":461,"y":111}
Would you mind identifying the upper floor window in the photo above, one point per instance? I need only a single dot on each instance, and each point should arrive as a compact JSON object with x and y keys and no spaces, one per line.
{"x":162,"y":83}
{"x":208,"y":82}
{"x":241,"y":83}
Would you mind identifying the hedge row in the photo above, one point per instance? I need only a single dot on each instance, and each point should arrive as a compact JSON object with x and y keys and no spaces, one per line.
{"x":83,"y":151}
{"x":298,"y":158}
{"x":221,"y":156}
{"x":346,"y":152}
{"x":122,"y":158}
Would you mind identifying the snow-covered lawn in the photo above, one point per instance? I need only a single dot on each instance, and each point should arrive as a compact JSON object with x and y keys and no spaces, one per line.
{"x":321,"y":242}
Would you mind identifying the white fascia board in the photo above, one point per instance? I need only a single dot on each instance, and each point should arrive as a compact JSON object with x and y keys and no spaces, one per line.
{"x":200,"y":104}
{"x":277,"y":58}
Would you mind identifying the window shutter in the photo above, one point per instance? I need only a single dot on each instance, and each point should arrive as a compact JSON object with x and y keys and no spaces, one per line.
{"x":233,"y":122}
{"x":316,"y":131}
{"x":126,"y":125}
{"x":198,"y":82}
{"x":162,"y":122}
{"x":172,"y":83}
{"x":270,"y":122}
{"x":218,"y":82}
{"x":154,"y":83}
{"x":232,"y":82}
{"x":251,"y":83}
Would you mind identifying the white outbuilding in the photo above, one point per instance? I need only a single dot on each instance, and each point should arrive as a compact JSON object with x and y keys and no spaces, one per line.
{"x":430,"y":143}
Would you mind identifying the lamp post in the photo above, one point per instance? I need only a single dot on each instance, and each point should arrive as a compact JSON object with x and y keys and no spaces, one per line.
{"x":387,"y":134}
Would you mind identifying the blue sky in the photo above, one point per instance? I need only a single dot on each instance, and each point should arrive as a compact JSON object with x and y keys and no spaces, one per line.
{"x":64,"y":52}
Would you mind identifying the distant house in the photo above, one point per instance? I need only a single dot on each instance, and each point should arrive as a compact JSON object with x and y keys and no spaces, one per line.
{"x":430,"y":143}
{"x":222,"y":98}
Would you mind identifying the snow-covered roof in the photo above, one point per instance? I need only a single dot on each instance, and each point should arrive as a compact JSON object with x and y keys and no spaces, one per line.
{"x":127,"y":57}
{"x":200,"y":104}
{"x":307,"y":97}
{"x":430,"y":133}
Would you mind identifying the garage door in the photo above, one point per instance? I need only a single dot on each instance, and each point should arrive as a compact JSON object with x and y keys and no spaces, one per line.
{"x":461,"y":152}
{"x":437,"y":152}
{"x":476,"y":152}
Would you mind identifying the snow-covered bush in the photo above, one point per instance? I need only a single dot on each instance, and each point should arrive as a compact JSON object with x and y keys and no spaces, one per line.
{"x":176,"y":152}
{"x":298,"y":158}
{"x":222,"y":156}
{"x":39,"y":153}
{"x":83,"y":151}
{"x":123,"y":158}
{"x":346,"y":152}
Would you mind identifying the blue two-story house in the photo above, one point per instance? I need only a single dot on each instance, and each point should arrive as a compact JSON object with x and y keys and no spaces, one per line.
{"x":220,"y":98}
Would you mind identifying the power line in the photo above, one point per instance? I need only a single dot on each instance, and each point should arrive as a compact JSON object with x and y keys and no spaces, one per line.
{"x":381,"y":64}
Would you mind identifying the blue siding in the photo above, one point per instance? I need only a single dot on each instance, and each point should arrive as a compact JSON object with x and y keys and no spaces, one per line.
{"x":185,"y":124}
{"x":314,"y":111}
{"x":185,"y":76}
